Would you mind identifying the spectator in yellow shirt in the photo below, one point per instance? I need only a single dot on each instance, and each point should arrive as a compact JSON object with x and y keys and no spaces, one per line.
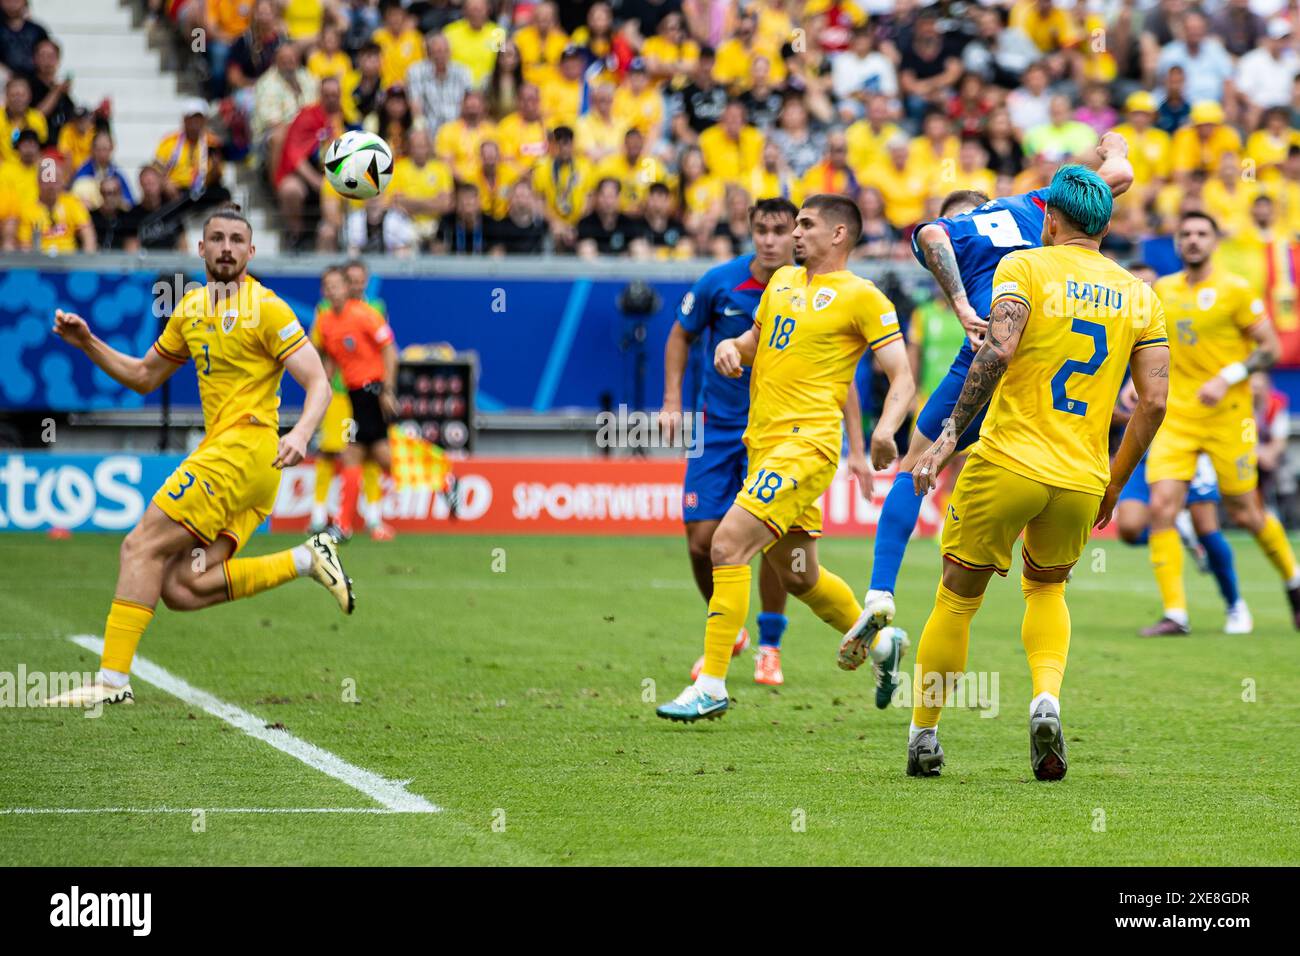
{"x":771,"y":179}
{"x":638,"y":103}
{"x":731,"y":147}
{"x":57,"y":222}
{"x":670,"y":55}
{"x":76,"y":137}
{"x":563,"y":181}
{"x":522,"y":134}
{"x":635,"y":170}
{"x":775,"y":28}
{"x":1148,"y":146}
{"x":699,"y":196}
{"x":867,"y":137}
{"x":598,"y":133}
{"x":903,"y":184}
{"x":832,"y":174}
{"x":541,"y":43}
{"x":329,"y":59}
{"x":562,"y":93}
{"x":1268,"y":146}
{"x":1228,"y":196}
{"x":458,"y":142}
{"x":18,"y":115}
{"x":400,"y":44}
{"x":734,"y":65}
{"x":190,"y":158}
{"x":419,"y":193}
{"x":1202,"y":144}
{"x":18,"y":185}
{"x":303,"y":18}
{"x":1053,"y":30}
{"x":493,"y":179}
{"x":935,"y":146}
{"x":970,"y":171}
{"x":475,"y":40}
{"x":596,"y":36}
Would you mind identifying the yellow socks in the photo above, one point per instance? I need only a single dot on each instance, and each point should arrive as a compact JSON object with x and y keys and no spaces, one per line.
{"x":248,"y":576}
{"x":1167,"y":563}
{"x":728,"y":609}
{"x":324,"y":476}
{"x":941,"y":655}
{"x":1272,"y":541}
{"x":370,"y":474}
{"x":833,"y":601}
{"x":126,"y":623}
{"x":1045,"y":633}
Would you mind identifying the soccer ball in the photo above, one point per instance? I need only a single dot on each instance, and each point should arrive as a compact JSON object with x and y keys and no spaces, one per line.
{"x":359,"y":165}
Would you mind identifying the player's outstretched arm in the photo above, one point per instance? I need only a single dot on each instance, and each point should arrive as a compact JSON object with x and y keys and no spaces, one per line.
{"x":1150,"y":367}
{"x":141,"y":375}
{"x":856,"y":462}
{"x":732,"y":355}
{"x":676,"y":352}
{"x":1267,"y":350}
{"x":306,"y":368}
{"x":1115,"y":170}
{"x":932,"y":239}
{"x":1006,"y":325}
{"x":894,"y":362}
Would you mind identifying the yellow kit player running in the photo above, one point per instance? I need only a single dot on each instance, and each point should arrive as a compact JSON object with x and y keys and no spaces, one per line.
{"x":241,"y":337}
{"x":1219,"y":334}
{"x":811,"y":327}
{"x":1065,"y":322}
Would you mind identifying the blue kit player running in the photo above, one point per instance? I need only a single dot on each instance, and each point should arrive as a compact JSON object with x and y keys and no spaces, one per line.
{"x":962,"y":249}
{"x":721,"y":306}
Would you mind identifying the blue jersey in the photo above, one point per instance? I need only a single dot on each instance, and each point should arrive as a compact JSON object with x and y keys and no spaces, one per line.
{"x":981,"y":237}
{"x":721,"y":306}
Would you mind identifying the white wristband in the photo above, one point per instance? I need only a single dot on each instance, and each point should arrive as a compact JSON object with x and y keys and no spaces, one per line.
{"x":1234,"y":373}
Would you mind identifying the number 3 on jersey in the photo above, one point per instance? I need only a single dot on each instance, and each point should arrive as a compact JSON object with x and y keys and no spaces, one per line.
{"x":1063,"y":402}
{"x":781,"y":330}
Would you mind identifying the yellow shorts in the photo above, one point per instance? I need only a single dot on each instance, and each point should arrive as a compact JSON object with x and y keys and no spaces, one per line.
{"x":334,"y":426}
{"x":1229,"y":440}
{"x":991,"y":506}
{"x":226,"y":487}
{"x":783,"y":486}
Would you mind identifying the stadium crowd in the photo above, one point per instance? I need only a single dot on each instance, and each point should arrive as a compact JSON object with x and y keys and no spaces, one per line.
{"x":646,"y":127}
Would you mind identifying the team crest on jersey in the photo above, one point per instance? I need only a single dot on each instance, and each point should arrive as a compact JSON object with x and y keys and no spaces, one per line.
{"x":1205,"y":299}
{"x":691,"y":501}
{"x":228,"y":320}
{"x":797,"y":301}
{"x":823,"y":298}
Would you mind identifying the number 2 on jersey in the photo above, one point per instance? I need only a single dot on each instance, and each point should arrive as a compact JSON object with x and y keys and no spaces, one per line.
{"x":1063,"y":402}
{"x":781,"y":330}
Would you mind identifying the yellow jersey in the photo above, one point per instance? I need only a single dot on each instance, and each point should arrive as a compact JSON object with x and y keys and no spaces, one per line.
{"x":397,"y":54}
{"x":238,"y":354}
{"x":730,"y":159}
{"x":420,"y":182}
{"x":52,"y":229}
{"x":1208,"y":331}
{"x":1049,"y":417}
{"x":810,"y":338}
{"x":1148,"y":151}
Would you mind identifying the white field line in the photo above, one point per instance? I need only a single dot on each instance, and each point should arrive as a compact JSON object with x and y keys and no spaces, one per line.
{"x":60,"y":811}
{"x":391,"y":794}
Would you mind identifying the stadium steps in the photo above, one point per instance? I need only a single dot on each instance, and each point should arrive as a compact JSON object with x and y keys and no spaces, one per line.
{"x":112,"y":54}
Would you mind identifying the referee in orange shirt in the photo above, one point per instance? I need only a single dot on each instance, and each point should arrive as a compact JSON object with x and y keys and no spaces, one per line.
{"x":356,"y":340}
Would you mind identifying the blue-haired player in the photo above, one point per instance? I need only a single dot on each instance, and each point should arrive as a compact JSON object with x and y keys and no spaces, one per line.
{"x":721,"y":306}
{"x":962,"y":248}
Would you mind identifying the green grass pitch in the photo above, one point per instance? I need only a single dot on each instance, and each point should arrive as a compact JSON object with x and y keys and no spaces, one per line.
{"x":514,"y":700}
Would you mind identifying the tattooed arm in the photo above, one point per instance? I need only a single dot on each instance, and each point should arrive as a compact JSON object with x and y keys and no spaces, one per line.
{"x":932,"y":239}
{"x":1150,"y":368}
{"x":1005,"y":327}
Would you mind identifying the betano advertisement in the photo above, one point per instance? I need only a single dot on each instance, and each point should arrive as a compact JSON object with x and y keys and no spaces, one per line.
{"x":40,"y":491}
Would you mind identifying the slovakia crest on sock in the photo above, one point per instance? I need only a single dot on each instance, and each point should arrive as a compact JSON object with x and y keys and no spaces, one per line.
{"x":823,"y":298}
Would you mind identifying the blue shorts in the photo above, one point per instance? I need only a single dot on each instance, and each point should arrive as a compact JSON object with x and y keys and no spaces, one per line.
{"x":717,"y":474}
{"x":938,"y":407}
{"x":1203,"y":487}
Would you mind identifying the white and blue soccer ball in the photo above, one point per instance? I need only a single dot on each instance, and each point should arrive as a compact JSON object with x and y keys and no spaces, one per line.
{"x":359,"y":165}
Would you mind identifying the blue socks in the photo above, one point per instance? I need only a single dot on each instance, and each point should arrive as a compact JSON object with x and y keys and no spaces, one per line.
{"x":897,"y":520}
{"x":1219,"y":555}
{"x":770,"y":628}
